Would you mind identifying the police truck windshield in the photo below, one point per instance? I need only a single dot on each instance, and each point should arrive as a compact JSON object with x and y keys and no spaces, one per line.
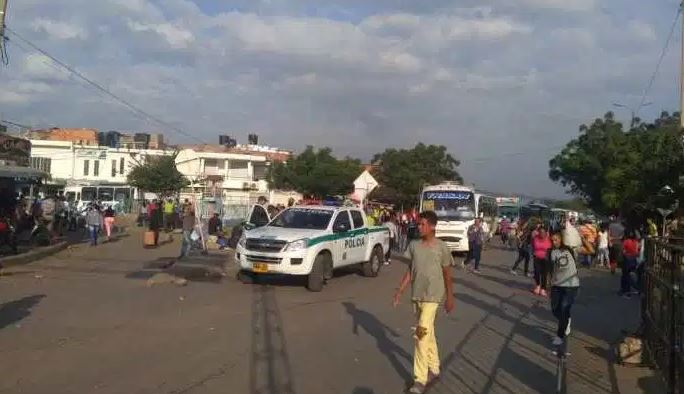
{"x":303,"y":218}
{"x":450,"y":205}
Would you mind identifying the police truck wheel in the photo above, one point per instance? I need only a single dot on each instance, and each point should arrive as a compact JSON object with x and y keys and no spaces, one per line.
{"x":371,"y":268}
{"x":316,"y":277}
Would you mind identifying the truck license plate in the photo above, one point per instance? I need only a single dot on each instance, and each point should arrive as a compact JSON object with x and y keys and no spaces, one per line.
{"x":260,"y":267}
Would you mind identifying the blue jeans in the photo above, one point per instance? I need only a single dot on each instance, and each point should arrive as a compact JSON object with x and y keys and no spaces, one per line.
{"x":562,"y":299}
{"x":474,"y":253}
{"x":186,"y":245}
{"x":93,"y":230}
{"x":629,"y":265}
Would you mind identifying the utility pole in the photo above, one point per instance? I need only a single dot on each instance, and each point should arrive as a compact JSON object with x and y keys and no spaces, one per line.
{"x":681,"y":74}
{"x":3,"y":12}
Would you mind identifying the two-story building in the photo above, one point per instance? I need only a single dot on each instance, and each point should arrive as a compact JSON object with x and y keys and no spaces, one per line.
{"x":88,"y":172}
{"x":231,"y":173}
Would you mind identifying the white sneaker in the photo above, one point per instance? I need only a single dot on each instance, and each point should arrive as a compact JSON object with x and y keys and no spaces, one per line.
{"x":567,"y":329}
{"x":514,"y":272}
{"x":557,"y":341}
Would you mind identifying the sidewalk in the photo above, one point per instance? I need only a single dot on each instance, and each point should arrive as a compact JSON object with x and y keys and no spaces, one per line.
{"x":508,"y":349}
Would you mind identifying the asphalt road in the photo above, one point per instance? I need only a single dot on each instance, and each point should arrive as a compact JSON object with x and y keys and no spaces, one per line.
{"x":86,"y":321}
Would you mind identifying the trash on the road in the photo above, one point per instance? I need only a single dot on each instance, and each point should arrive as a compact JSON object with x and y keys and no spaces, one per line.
{"x":211,"y":329}
{"x":38,"y":276}
{"x":164,"y":278}
{"x":181,"y":298}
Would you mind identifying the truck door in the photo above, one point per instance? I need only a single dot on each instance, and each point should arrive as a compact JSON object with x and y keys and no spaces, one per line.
{"x":258,"y":216}
{"x":359,"y":237}
{"x":342,"y":228}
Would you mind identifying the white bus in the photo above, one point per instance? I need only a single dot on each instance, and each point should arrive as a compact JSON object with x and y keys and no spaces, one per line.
{"x":109,"y":195}
{"x":456,"y":207}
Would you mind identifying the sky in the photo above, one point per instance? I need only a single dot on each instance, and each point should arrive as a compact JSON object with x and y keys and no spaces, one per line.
{"x":504,"y":84}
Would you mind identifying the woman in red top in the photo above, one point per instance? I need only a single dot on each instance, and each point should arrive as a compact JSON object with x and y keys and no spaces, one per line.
{"x":630,"y":253}
{"x":541,"y":243}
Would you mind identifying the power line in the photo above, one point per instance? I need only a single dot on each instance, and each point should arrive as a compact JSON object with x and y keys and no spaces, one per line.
{"x":14,"y":124}
{"x":660,"y":61}
{"x":102,"y":89}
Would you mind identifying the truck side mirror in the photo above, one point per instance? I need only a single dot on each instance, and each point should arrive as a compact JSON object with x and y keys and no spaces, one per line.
{"x":249,"y":226}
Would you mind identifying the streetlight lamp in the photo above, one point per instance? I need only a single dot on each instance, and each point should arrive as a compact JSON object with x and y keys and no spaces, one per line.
{"x":632,"y":110}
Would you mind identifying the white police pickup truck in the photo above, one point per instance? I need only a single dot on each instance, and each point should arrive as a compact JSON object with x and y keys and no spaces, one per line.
{"x":312,"y":241}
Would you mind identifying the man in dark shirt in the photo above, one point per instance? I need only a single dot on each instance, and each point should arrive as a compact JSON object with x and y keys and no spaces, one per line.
{"x":215,"y":226}
{"x":188,"y":227}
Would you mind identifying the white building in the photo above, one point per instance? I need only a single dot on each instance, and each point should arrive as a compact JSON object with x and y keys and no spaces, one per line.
{"x":237,"y":174}
{"x":87,"y":172}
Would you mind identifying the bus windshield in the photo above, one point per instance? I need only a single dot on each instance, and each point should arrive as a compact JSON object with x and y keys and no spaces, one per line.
{"x":88,"y":194}
{"x":509,"y":211}
{"x":450,"y":205}
{"x":105,"y":194}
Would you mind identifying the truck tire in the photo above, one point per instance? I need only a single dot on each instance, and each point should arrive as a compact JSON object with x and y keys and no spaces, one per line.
{"x":371,"y":268}
{"x":316,"y":278}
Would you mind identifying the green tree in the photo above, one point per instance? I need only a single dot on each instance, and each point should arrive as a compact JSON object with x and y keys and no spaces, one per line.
{"x":403,"y":172}
{"x":615,"y":170}
{"x":158,"y":175}
{"x":316,"y":173}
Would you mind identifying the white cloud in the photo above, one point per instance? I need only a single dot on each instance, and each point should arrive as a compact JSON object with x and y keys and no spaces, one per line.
{"x":176,"y":37}
{"x":58,"y":30}
{"x":497,"y":77}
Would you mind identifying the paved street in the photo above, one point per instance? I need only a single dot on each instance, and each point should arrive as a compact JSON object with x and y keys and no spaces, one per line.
{"x":86,"y":321}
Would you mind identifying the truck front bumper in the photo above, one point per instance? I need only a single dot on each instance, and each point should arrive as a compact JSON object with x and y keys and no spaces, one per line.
{"x":287,"y":263}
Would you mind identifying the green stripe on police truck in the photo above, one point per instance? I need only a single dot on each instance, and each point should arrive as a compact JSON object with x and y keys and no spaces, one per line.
{"x":348,"y":234}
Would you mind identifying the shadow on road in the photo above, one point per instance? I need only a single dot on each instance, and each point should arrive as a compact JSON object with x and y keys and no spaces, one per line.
{"x":381,"y":333}
{"x":14,"y":311}
{"x":270,"y":371}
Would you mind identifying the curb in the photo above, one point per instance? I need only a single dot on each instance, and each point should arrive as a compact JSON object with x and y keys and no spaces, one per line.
{"x":39,"y":253}
{"x":33,"y":255}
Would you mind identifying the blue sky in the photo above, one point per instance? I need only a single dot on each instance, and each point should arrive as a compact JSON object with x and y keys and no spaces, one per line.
{"x":502,"y":83}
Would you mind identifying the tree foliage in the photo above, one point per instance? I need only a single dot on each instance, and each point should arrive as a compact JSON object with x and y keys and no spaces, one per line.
{"x":403,"y":172}
{"x":158,"y":175}
{"x":316,"y":173}
{"x":615,"y":170}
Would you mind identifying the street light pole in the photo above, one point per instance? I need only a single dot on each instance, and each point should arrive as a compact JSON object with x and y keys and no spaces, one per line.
{"x":632,"y":111}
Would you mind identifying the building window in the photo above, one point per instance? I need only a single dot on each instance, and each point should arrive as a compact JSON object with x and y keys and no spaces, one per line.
{"x":96,"y":167}
{"x":113,"y":168}
{"x":121,"y":166}
{"x":41,"y":163}
{"x":86,"y":167}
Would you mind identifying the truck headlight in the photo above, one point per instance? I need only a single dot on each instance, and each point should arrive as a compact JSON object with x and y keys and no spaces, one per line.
{"x":243,"y":241}
{"x":296,"y":245}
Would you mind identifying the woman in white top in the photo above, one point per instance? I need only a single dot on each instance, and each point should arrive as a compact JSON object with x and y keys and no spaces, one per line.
{"x":603,"y":254}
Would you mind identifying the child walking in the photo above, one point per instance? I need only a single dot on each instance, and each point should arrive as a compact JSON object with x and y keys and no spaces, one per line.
{"x":564,"y":285}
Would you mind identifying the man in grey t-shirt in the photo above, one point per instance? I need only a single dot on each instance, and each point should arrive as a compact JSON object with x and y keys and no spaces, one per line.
{"x":430,"y":279}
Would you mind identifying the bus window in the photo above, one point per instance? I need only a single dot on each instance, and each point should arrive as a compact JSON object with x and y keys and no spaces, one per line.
{"x":105,"y":193}
{"x":88,"y":193}
{"x":122,"y":193}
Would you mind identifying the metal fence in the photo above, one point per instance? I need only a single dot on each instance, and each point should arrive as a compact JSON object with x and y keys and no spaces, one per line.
{"x":662,"y":310}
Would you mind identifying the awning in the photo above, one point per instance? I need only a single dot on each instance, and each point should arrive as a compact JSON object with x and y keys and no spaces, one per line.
{"x":22,"y":173}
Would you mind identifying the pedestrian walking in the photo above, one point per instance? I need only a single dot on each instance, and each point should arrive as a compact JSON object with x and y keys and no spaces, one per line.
{"x":603,"y":256}
{"x":476,"y":238}
{"x":430,"y":280}
{"x":541,"y":244}
{"x":93,"y":223}
{"x":565,"y":285}
{"x":388,"y":221}
{"x":156,"y":219}
{"x":523,"y":252}
{"x":630,"y":253}
{"x":188,"y":227}
{"x":616,"y":232}
{"x":109,"y":221}
{"x":169,"y":213}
